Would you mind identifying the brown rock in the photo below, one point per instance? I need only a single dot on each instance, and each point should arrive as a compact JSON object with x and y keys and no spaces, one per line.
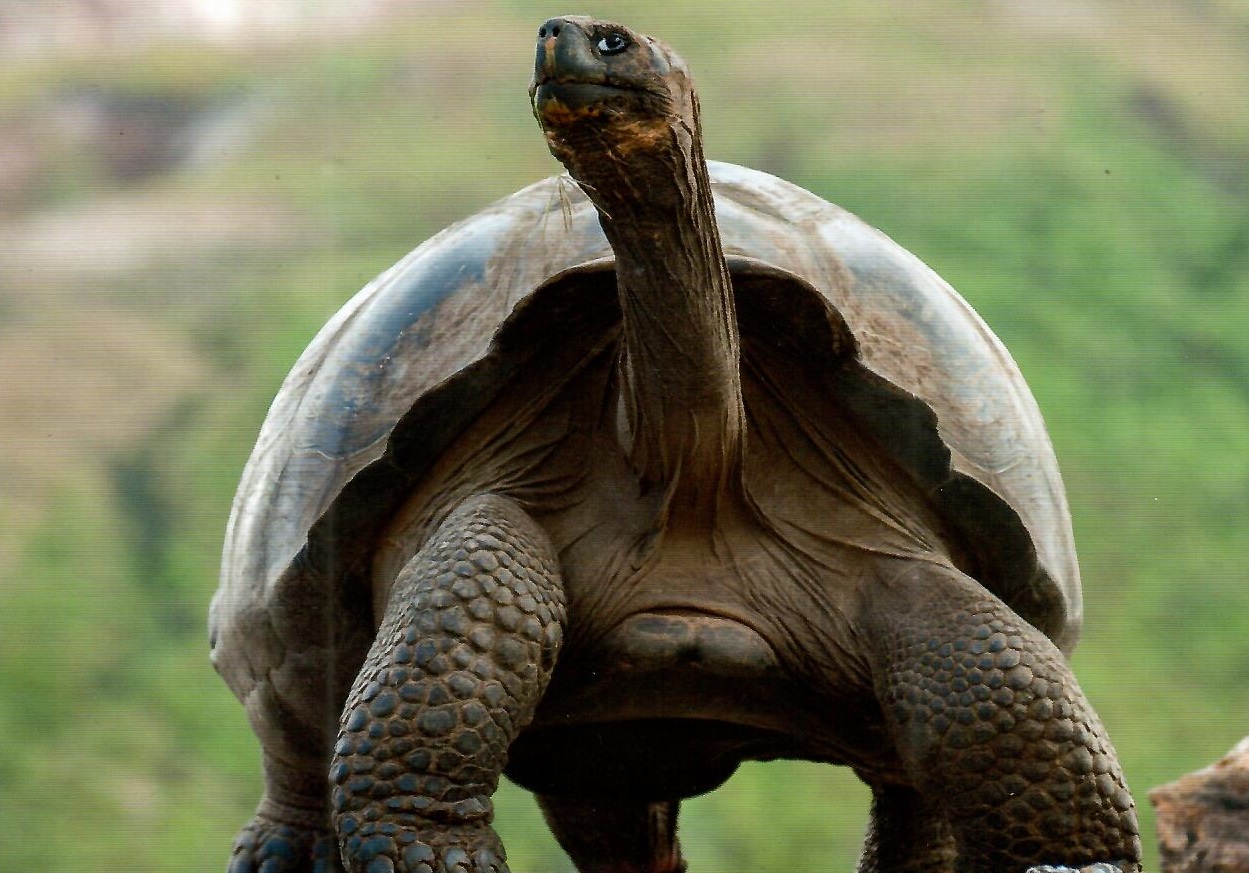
{"x":1203,"y":818}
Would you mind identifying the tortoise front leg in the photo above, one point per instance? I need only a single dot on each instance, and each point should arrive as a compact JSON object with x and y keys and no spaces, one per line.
{"x":992,"y":728}
{"x":620,"y":836}
{"x":464,"y":652}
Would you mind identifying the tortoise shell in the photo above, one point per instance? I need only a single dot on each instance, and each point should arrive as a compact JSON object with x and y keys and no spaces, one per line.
{"x":408,"y":362}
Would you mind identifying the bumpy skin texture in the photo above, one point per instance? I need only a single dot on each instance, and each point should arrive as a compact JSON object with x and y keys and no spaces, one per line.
{"x":994,"y":731}
{"x":470,"y":636}
{"x":265,"y":846}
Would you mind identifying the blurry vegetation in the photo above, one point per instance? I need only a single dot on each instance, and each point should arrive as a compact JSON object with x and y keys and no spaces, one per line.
{"x":180,"y":220}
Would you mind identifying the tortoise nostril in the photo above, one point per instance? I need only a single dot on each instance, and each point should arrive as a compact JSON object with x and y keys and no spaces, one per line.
{"x":551,"y":28}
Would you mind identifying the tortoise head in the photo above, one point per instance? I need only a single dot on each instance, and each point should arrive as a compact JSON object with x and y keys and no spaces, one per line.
{"x":600,"y":91}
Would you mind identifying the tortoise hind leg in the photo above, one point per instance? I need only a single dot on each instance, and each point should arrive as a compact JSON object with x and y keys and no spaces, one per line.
{"x":616,"y":837}
{"x":290,"y":832}
{"x":906,"y":834}
{"x":993,"y":729}
{"x":464,"y":652}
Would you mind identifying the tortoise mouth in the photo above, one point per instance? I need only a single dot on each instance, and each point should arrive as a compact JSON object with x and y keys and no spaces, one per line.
{"x":557,"y":97}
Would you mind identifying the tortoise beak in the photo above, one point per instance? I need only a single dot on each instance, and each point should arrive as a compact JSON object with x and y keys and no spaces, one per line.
{"x":545,"y":63}
{"x":564,"y":52}
{"x":567,"y":75}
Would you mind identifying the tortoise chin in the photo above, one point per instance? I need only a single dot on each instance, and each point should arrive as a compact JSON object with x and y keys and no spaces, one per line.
{"x":564,"y":101}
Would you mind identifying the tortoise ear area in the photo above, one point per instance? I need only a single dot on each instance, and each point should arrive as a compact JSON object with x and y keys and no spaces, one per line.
{"x":655,"y":61}
{"x":669,"y":72}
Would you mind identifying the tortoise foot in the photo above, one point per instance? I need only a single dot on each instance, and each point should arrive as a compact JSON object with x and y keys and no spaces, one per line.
{"x":268,"y":846}
{"x":391,"y":849}
{"x":1101,"y":867}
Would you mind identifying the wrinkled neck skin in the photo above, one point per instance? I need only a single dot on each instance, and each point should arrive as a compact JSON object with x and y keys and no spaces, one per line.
{"x":681,"y":404}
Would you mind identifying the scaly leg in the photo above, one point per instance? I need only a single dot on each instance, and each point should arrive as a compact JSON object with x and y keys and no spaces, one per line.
{"x":465,"y":650}
{"x":992,"y":727}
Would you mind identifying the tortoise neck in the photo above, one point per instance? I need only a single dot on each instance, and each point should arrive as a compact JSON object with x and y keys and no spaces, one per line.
{"x":681,"y":393}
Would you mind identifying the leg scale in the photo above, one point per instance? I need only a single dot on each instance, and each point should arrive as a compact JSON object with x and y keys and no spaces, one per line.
{"x":994,"y":730}
{"x":463,"y":654}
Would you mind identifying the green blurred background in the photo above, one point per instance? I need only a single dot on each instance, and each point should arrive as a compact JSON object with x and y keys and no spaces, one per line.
{"x":189,"y":188}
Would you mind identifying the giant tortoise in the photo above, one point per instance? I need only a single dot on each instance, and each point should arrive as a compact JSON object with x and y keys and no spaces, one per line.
{"x":616,"y":485}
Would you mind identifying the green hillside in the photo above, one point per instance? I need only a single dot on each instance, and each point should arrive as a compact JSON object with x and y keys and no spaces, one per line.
{"x":180,"y":218}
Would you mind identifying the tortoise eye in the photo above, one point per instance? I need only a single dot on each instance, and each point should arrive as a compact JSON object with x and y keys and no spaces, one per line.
{"x":612,"y":44}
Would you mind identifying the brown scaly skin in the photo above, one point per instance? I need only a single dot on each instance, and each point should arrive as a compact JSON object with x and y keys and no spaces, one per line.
{"x":460,"y":661}
{"x":993,"y":729}
{"x":626,"y":126}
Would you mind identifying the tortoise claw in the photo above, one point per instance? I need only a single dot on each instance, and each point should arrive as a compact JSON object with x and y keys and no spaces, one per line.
{"x":406,"y":851}
{"x":488,"y":862}
{"x":1100,"y":867}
